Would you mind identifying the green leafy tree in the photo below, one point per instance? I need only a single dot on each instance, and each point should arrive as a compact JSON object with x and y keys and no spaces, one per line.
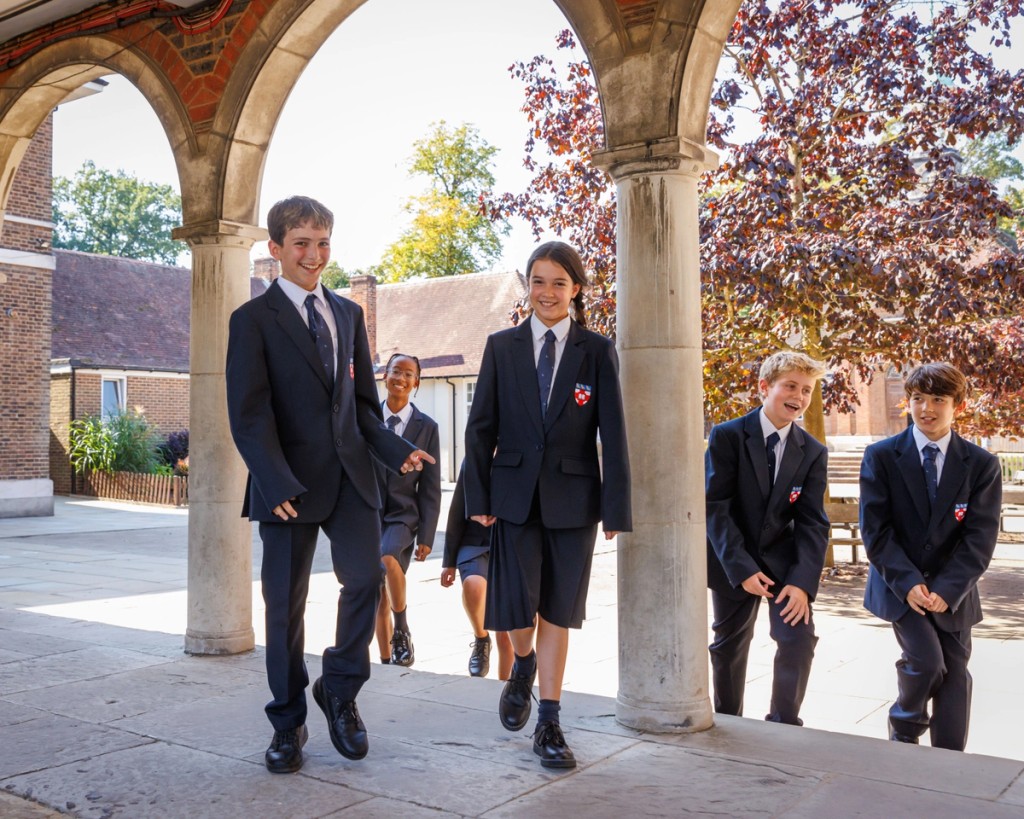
{"x":116,"y":214}
{"x":991,"y":159}
{"x":336,"y":277}
{"x":450,"y":234}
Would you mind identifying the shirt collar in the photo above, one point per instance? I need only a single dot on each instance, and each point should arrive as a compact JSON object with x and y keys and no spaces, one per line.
{"x":767,"y":428}
{"x":405,"y":413}
{"x":921,"y":441}
{"x":297,"y":295}
{"x":539,"y":328}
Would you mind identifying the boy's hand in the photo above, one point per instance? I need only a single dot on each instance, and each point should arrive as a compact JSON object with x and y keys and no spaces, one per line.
{"x":484,"y":520}
{"x":415,"y":461}
{"x":798,"y":608}
{"x":285,"y":510}
{"x":447,"y":576}
{"x":936,"y":603}
{"x":918,"y":598}
{"x":610,"y":535}
{"x":422,"y":550}
{"x":758,"y":584}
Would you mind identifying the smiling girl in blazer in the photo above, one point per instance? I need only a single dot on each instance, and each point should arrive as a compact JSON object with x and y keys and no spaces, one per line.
{"x":546,"y":389}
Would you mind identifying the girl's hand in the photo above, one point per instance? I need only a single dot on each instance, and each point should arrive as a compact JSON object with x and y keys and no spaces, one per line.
{"x":610,"y":535}
{"x":447,"y":576}
{"x":484,"y":520}
{"x":422,"y":550}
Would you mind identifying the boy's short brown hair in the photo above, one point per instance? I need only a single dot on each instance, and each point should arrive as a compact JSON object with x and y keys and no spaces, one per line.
{"x":785,"y":361}
{"x":937,"y":378}
{"x":296,"y":211}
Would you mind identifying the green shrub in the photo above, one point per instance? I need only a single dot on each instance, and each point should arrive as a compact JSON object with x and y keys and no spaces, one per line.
{"x":126,"y":442}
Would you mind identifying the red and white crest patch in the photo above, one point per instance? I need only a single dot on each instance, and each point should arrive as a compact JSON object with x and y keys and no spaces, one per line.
{"x":960,"y":511}
{"x":582,"y":393}
{"x":794,"y":493}
{"x":352,"y":369}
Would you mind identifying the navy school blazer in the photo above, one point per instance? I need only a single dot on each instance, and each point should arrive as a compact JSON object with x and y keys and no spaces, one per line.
{"x":907,"y":542}
{"x":294,"y":431}
{"x":512,"y":454}
{"x":782,"y":532}
{"x":414,"y":499}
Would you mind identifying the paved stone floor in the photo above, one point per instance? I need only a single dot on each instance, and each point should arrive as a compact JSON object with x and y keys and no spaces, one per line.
{"x":102,"y":715}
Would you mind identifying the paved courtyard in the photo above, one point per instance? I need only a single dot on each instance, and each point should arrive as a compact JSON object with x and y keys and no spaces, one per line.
{"x":102,"y":714}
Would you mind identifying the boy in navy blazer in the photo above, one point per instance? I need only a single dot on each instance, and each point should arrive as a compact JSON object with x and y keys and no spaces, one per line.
{"x":929,"y":514}
{"x":767,"y":535}
{"x":303,"y":411}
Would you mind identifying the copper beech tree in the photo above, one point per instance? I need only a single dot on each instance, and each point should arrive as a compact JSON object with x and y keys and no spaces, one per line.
{"x":841,"y":220}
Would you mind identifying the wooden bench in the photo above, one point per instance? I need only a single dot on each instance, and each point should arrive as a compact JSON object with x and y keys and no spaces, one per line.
{"x":844,"y":516}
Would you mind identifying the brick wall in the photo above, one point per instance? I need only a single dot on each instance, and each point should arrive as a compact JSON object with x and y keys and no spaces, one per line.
{"x":164,"y":401}
{"x":363,"y":291}
{"x":25,"y":334}
{"x":60,"y":414}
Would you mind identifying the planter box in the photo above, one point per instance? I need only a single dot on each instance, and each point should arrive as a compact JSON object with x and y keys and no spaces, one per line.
{"x":169,"y":490}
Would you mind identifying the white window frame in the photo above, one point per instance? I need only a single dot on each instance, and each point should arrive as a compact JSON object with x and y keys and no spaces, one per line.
{"x":120,"y":391}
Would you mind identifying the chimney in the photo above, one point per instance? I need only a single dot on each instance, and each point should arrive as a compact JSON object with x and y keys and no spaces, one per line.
{"x":363,"y":291}
{"x":266,"y":268}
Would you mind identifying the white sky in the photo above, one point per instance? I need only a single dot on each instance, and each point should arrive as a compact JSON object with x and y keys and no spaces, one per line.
{"x":346,"y":133}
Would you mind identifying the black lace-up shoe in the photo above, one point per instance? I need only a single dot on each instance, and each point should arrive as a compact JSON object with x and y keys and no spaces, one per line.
{"x":402,"y":652}
{"x":514,"y":706}
{"x":480,"y":659}
{"x":348,"y":734}
{"x":549,"y":745}
{"x":285,"y":752}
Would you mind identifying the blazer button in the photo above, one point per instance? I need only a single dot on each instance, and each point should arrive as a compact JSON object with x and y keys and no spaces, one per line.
{"x":336,"y":409}
{"x":540,"y":447}
{"x":926,"y":575}
{"x":338,"y":442}
{"x":767,"y":526}
{"x":927,"y":547}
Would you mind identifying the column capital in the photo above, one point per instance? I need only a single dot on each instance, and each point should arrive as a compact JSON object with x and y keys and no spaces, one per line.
{"x":663,"y":155}
{"x":220,"y":232}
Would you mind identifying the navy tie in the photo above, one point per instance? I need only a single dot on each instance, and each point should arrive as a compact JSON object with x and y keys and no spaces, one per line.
{"x":546,"y":370}
{"x":931,"y":470}
{"x":769,"y":450}
{"x":393,"y":423}
{"x":321,"y":337}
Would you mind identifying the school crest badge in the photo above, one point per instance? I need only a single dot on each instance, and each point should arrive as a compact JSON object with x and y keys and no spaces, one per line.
{"x":352,"y":369}
{"x":960,"y":511}
{"x":794,"y":493}
{"x":582,"y":393}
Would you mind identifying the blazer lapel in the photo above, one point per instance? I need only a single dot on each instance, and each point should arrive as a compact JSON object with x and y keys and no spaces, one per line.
{"x":908,"y":460}
{"x":295,"y":328}
{"x":565,"y":376}
{"x":756,"y":449}
{"x":412,"y":429}
{"x":343,"y":343}
{"x":526,"y":372}
{"x":954,"y":471}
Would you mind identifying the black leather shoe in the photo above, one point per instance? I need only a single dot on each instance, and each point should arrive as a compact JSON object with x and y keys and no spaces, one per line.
{"x":480,"y":659}
{"x":896,"y":736}
{"x":549,"y":745}
{"x":348,"y":734}
{"x":514,"y":706}
{"x":285,"y":752}
{"x":402,"y":652}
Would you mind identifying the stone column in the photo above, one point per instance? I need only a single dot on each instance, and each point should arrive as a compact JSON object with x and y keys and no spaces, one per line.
{"x":219,"y":539}
{"x":663,"y":627}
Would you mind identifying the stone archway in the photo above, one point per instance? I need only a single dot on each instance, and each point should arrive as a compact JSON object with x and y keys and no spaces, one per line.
{"x":655,"y":62}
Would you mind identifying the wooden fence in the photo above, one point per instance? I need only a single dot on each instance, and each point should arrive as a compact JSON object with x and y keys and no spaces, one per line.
{"x":169,"y":490}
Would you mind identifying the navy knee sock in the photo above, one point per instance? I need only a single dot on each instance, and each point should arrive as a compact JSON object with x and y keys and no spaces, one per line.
{"x":525,"y":665}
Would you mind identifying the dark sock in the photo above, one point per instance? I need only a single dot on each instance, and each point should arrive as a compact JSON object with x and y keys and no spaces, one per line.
{"x":485,"y":639}
{"x":385,"y":661}
{"x":400,"y":623}
{"x":525,"y":665}
{"x":548,"y":710}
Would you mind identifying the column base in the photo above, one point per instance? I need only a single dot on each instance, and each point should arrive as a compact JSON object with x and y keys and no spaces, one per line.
{"x":665,"y":718}
{"x":217,"y":644}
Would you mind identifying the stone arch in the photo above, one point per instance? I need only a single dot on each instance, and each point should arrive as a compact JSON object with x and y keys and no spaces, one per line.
{"x":47,"y":78}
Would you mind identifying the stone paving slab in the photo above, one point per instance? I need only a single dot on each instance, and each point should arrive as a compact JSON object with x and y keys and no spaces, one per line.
{"x":87,"y":663}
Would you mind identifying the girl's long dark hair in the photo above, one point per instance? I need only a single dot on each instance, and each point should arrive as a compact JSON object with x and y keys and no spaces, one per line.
{"x":566,"y":257}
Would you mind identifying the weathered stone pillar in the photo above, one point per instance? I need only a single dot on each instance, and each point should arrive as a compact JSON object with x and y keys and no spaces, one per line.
{"x":663,"y":628}
{"x":219,"y":539}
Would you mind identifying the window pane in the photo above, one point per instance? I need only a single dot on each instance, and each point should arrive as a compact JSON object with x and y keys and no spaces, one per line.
{"x":113,"y":398}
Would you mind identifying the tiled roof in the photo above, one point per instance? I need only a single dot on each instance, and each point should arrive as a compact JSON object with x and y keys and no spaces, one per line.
{"x":118,"y":313}
{"x":445,"y":321}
